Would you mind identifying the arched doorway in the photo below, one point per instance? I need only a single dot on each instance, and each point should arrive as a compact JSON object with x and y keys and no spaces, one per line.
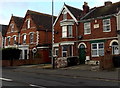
{"x":115,"y":48}
{"x":82,"y":54}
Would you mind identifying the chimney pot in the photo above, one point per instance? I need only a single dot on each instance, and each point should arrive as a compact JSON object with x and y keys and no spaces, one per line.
{"x":108,"y":3}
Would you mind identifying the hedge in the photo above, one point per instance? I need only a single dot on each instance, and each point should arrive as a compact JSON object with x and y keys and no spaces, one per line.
{"x":10,"y":54}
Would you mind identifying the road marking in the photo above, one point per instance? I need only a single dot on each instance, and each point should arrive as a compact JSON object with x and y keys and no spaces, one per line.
{"x":36,"y":86}
{"x":5,"y":79}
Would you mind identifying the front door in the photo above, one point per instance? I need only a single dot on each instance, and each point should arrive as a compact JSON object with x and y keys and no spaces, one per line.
{"x":25,"y":54}
{"x":82,"y":54}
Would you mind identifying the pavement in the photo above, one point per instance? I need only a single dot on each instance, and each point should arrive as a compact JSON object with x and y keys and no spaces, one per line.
{"x":73,"y":71}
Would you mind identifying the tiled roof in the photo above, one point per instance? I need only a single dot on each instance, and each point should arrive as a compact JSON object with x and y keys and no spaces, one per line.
{"x":43,"y":21}
{"x":18,"y":21}
{"x":104,"y":11}
{"x":3,"y":28}
{"x":75,"y":11}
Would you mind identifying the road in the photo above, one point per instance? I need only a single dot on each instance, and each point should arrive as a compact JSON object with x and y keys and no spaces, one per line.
{"x":11,"y":77}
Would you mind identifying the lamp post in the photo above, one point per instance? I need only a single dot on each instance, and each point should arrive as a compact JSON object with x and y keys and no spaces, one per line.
{"x":53,"y":63}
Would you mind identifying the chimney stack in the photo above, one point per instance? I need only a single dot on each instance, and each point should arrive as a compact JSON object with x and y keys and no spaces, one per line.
{"x":108,"y":3}
{"x":85,"y":8}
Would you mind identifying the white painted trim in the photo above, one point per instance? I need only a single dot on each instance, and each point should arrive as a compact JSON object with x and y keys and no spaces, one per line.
{"x":42,"y":47}
{"x":67,"y":43}
{"x":81,"y":44}
{"x":71,"y":15}
{"x":23,"y":34}
{"x":30,"y":33}
{"x":112,"y":42}
{"x":98,"y":39}
{"x":64,"y":7}
{"x":56,"y":45}
{"x":8,"y":36}
{"x":14,"y":36}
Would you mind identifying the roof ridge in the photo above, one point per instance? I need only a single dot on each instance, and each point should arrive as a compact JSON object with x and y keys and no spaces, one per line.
{"x":72,"y":7}
{"x":17,"y":17}
{"x":39,"y":13}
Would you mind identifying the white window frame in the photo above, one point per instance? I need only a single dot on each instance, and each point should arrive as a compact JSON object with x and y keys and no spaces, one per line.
{"x":70,"y":31}
{"x":64,"y":31}
{"x":64,"y":14}
{"x":97,"y":49}
{"x":32,"y":37}
{"x":12,"y":27}
{"x":106,"y":25}
{"x":56,"y":49}
{"x":8,"y":40}
{"x":24,"y":38}
{"x":87,"y":27}
{"x":14,"y":39}
{"x":28,"y":23}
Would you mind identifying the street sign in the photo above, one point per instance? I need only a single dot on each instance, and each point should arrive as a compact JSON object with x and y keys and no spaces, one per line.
{"x":34,"y":50}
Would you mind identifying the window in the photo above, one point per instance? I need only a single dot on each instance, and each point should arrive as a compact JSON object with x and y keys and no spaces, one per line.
{"x":67,"y":50}
{"x":97,"y":49}
{"x":8,"y":39}
{"x":28,"y":23}
{"x":115,"y":48}
{"x":31,"y":37}
{"x":56,"y":51}
{"x":67,"y":31}
{"x":14,"y":39}
{"x":64,"y":51}
{"x":87,"y":28}
{"x":24,"y":39}
{"x":12,"y":27}
{"x":64,"y":31}
{"x":64,"y":14}
{"x":106,"y":25}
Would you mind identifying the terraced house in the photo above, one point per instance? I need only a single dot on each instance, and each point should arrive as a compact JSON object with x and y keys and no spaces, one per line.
{"x":31,"y":34}
{"x":89,"y":33}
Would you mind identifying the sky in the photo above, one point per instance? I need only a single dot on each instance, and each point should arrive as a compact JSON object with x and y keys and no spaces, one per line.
{"x":20,"y":7}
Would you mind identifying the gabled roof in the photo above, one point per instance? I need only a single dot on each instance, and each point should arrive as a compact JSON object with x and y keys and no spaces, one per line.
{"x":18,"y":21}
{"x":75,"y":13}
{"x":3,"y":29}
{"x":42,"y":21}
{"x":104,"y":11}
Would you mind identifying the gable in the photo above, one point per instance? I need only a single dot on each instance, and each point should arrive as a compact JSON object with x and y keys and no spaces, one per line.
{"x":73,"y":12}
{"x":12,"y":23}
{"x":25,"y":23}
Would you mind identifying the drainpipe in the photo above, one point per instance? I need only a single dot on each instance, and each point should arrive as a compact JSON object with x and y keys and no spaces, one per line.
{"x":76,"y":39}
{"x":118,"y":30}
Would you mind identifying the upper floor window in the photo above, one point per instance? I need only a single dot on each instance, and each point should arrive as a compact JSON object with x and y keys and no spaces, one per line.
{"x":106,"y":25}
{"x":64,"y":31}
{"x":14,"y":40}
{"x":31,"y":37}
{"x":8,"y":40}
{"x":70,"y":33}
{"x":28,"y":24}
{"x":11,"y":27}
{"x":87,"y":28}
{"x":67,"y":31}
{"x":64,"y":14}
{"x":24,"y":39}
{"x":97,"y":49}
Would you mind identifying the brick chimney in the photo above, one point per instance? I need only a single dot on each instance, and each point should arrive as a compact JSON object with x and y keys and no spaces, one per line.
{"x":85,"y":8}
{"x":108,"y":3}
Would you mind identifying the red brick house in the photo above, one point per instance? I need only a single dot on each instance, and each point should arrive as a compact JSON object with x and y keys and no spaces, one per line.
{"x":88,"y":34}
{"x":32,"y":35}
{"x":2,"y":35}
{"x":36,"y":33}
{"x":13,"y":32}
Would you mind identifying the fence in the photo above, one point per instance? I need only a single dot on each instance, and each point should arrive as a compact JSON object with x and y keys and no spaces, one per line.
{"x":21,"y":62}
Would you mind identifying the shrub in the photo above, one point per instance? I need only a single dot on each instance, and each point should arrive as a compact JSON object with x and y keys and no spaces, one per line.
{"x":10,"y":53}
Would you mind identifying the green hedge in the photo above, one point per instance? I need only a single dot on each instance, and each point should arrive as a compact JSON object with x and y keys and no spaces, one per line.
{"x":10,"y":54}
